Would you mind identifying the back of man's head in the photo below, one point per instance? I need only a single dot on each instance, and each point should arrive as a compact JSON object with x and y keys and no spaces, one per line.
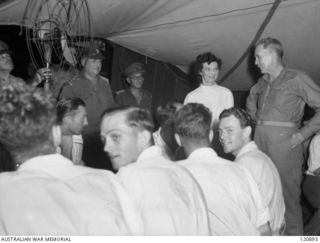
{"x":27,"y":116}
{"x":165,"y":113}
{"x":193,"y":120}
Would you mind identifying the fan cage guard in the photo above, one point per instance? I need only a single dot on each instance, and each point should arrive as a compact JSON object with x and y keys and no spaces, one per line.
{"x":59,"y":32}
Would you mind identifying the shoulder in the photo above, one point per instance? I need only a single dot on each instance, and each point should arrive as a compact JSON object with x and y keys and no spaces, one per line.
{"x":193,"y":93}
{"x":224,"y":90}
{"x":147,"y":93}
{"x":297,"y":75}
{"x":73,"y":81}
{"x":96,"y":174}
{"x":104,"y":79}
{"x":120,"y":92}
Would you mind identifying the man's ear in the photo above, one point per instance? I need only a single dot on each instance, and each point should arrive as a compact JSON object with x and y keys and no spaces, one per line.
{"x":66,"y":121}
{"x":144,"y":138}
{"x":211,"y":135}
{"x":56,"y":135}
{"x":83,"y":61}
{"x":247,"y":132}
{"x":177,"y":138}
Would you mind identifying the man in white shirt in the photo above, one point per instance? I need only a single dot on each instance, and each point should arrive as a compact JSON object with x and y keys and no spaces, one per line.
{"x":311,"y":185}
{"x":234,"y":203}
{"x":166,"y":195}
{"x":48,"y":194}
{"x":72,"y":117}
{"x":236,"y":129}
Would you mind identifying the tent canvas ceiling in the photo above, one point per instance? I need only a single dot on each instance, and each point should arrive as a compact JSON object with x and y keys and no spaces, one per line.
{"x":176,"y":31}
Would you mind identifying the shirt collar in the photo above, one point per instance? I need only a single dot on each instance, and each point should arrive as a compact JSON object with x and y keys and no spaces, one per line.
{"x":251,"y":146}
{"x":202,"y":152}
{"x":208,"y":86}
{"x":44,"y":162}
{"x":151,"y":152}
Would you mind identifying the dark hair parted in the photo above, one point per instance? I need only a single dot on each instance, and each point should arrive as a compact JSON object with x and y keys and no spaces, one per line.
{"x":207,"y":57}
{"x":193,"y":120}
{"x":135,"y":117}
{"x":273,"y":44}
{"x":68,"y":106}
{"x":27,"y":115}
{"x":243,"y":117}
{"x":166,"y":112}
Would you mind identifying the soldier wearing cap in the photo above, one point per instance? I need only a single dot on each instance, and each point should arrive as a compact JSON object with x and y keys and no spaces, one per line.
{"x":6,"y":65}
{"x":135,"y":95}
{"x":95,"y":91}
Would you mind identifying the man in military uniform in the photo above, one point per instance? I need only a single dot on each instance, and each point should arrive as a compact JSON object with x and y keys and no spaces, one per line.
{"x":135,"y":95}
{"x":95,"y":91}
{"x":6,"y":65}
{"x":277,"y":104}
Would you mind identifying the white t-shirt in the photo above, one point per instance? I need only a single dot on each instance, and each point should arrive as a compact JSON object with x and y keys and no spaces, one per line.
{"x":215,"y":97}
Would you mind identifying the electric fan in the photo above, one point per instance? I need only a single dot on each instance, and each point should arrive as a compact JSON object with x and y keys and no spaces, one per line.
{"x":59,"y":31}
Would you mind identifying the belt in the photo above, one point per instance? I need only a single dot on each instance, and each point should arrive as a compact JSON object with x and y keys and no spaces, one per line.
{"x":276,"y":124}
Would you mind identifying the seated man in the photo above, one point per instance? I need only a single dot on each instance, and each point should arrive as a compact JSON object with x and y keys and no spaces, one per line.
{"x":48,"y":194}
{"x":164,"y":136}
{"x":311,"y":185}
{"x":236,"y":131}
{"x":166,"y":195}
{"x":234,"y":203}
{"x":135,"y":94}
{"x":71,"y":116}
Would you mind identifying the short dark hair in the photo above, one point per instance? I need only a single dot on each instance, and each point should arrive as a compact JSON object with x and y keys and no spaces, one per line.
{"x":166,"y":112}
{"x":207,"y":57}
{"x":27,"y":115}
{"x":193,"y":120}
{"x":135,"y":117}
{"x":273,"y":44}
{"x":243,"y":117}
{"x":67,"y":106}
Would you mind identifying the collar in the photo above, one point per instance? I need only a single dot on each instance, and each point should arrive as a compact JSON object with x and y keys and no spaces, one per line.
{"x":285,"y":74}
{"x":251,"y":146}
{"x":208,"y":87}
{"x":202,"y":152}
{"x":151,"y":152}
{"x":44,"y":162}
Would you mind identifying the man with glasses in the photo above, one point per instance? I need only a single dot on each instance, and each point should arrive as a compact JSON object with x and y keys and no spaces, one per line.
{"x":135,"y":95}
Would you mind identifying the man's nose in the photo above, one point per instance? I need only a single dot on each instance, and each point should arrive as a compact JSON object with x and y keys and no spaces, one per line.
{"x":107,"y":145}
{"x":85,"y":122}
{"x":221,"y":136}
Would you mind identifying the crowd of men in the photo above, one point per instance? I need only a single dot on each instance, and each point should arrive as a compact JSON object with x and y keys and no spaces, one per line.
{"x":169,"y":181}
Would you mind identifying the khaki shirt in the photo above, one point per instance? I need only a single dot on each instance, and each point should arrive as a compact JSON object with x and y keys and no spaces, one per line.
{"x":284,"y":100}
{"x":97,"y":97}
{"x":125,"y":97}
